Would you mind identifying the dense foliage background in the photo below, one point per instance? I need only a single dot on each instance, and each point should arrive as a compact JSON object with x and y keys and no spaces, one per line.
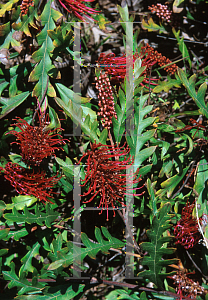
{"x":112,"y":95}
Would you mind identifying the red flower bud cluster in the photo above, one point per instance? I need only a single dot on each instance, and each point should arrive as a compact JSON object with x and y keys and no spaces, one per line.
{"x":161,"y":11}
{"x":107,"y":176}
{"x":106,"y":102}
{"x":25,"y":6}
{"x":187,"y":287}
{"x":165,"y":14}
{"x":35,"y":142}
{"x":28,"y":182}
{"x":76,"y":7}
{"x":154,"y":56}
{"x":186,"y":231}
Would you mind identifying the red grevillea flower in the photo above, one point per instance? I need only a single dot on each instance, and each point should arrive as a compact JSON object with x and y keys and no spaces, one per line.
{"x":116,"y":66}
{"x":36,"y":143}
{"x":107,"y":177}
{"x":28,"y":182}
{"x":187,"y":230}
{"x":76,"y":7}
{"x":106,"y":102}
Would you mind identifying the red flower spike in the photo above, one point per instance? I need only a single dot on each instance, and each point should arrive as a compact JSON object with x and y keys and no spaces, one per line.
{"x":76,"y":7}
{"x":27,"y":182}
{"x":186,"y":231}
{"x":106,"y":103}
{"x":35,"y":143}
{"x":105,"y":175}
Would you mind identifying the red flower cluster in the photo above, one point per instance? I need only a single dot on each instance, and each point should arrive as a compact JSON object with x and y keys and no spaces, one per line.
{"x":25,"y":6}
{"x":106,"y":176}
{"x":35,"y":143}
{"x":155,"y":57}
{"x":162,"y":11}
{"x":186,"y":231}
{"x":116,"y":66}
{"x":27,"y":182}
{"x":187,"y":287}
{"x":106,"y":103}
{"x":165,"y":14}
{"x":76,"y":7}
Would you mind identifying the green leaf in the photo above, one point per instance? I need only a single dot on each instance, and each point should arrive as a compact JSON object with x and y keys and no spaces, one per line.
{"x":182,"y":47}
{"x":76,"y":114}
{"x":119,"y":123}
{"x":2,"y":207}
{"x":137,"y":139}
{"x":170,"y":184}
{"x":26,"y":21}
{"x":17,"y":234}
{"x":19,"y":202}
{"x":156,"y":249}
{"x":27,"y":259}
{"x":202,"y":176}
{"x":9,"y":104}
{"x":166,"y":85}
{"x":7,"y":7}
{"x":152,"y":26}
{"x":20,"y":282}
{"x":75,"y":253}
{"x":43,"y":54}
{"x":39,"y":217}
{"x":67,"y":94}
{"x":197,"y":97}
{"x":4,"y":233}
{"x":59,"y":292}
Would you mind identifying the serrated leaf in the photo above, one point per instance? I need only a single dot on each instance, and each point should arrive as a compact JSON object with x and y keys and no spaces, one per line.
{"x":119,"y":123}
{"x":137,"y":138}
{"x":152,"y":26}
{"x":156,"y":250}
{"x":170,"y":184}
{"x":27,"y":259}
{"x":7,"y":7}
{"x":39,"y":217}
{"x":20,"y":282}
{"x":26,"y":21}
{"x":197,"y":97}
{"x":43,"y":54}
{"x":17,"y":234}
{"x":166,"y":85}
{"x":59,"y":292}
{"x":76,"y":253}
{"x":182,"y":47}
{"x":9,"y":104}
{"x":19,"y":202}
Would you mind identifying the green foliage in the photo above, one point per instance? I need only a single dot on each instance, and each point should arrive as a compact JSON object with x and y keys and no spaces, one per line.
{"x":72,"y":254}
{"x":38,"y":217}
{"x":156,"y":249}
{"x":43,"y":55}
{"x":198,"y":97}
{"x":41,"y":254}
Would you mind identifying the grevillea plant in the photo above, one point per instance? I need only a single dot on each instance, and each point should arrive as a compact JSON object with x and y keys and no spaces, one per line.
{"x":103,"y":138}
